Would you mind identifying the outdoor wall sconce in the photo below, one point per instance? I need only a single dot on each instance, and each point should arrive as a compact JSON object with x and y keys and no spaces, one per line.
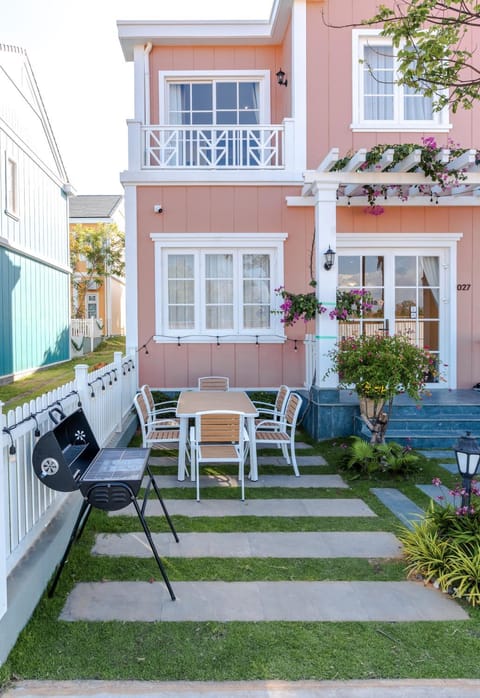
{"x":329,"y":258}
{"x":467,"y":454}
{"x":281,"y":78}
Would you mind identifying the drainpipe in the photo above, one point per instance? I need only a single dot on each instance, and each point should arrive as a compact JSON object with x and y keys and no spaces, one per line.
{"x":146,"y":52}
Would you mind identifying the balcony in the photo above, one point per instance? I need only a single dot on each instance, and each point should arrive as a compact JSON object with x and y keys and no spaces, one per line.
{"x":247,"y":148}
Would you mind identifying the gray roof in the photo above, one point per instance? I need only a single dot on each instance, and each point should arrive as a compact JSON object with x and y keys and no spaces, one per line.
{"x":94,"y":206}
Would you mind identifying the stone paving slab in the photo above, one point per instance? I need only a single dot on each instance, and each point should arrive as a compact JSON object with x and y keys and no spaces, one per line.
{"x":451,"y":467}
{"x":447,"y":453}
{"x":336,"y":544}
{"x":260,"y":601}
{"x":288,"y":508}
{"x":399,"y":504}
{"x":170,"y":461}
{"x":382,"y":688}
{"x":441,"y":495}
{"x":286,"y":481}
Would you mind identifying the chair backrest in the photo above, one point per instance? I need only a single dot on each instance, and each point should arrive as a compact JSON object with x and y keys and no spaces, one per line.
{"x":147,"y":394}
{"x":292,"y":409}
{"x":217,"y":427}
{"x":281,"y":399}
{"x":213,"y":383}
{"x":142,"y":410}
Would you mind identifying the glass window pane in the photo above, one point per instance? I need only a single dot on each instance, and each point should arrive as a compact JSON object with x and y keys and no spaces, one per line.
{"x":219,"y":317}
{"x":405,"y":270}
{"x":428,"y":304}
{"x":349,"y":271}
{"x":256,"y":316}
{"x":248,"y":95}
{"x":373,"y":270}
{"x":180,"y":266}
{"x":180,"y":317}
{"x":219,"y":266}
{"x":202,"y":97}
{"x":256,"y":266}
{"x":256,"y":291}
{"x":181,"y":291}
{"x":227,"y":117}
{"x":219,"y":291}
{"x":406,"y":303}
{"x":226,"y":95}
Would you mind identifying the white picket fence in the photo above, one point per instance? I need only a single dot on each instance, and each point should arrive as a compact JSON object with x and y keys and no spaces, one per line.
{"x":26,"y":505}
{"x":85,"y":334}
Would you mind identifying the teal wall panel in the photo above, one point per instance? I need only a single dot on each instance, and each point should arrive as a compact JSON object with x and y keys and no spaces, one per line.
{"x":34,"y":314}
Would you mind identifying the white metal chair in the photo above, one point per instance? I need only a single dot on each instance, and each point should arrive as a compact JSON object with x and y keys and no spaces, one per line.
{"x":154,"y":432}
{"x":219,"y":437}
{"x":273,"y":413}
{"x":159,"y":410}
{"x":213,"y":383}
{"x":284,"y":432}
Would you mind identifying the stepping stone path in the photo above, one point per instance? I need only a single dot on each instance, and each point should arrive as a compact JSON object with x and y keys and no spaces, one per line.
{"x":262,"y":601}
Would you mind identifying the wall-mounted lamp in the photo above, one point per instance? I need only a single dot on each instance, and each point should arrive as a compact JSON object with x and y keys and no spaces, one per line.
{"x":329,"y":258}
{"x":281,"y":78}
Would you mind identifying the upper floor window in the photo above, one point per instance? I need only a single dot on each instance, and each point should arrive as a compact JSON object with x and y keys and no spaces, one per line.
{"x":11,"y":188}
{"x":379,"y":103}
{"x":206,"y":289}
{"x":214,"y":98}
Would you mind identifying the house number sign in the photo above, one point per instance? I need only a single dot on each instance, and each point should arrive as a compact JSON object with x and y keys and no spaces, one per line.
{"x":463,"y":287}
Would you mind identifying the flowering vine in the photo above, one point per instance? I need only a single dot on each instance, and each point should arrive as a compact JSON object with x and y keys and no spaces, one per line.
{"x":430,"y":163}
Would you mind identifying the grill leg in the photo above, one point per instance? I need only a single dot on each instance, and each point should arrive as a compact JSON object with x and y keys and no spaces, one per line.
{"x":152,"y":546}
{"x":157,"y":492}
{"x":75,"y":535}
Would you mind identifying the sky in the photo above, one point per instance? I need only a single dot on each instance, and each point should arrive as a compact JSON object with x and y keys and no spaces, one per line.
{"x":85,"y":83}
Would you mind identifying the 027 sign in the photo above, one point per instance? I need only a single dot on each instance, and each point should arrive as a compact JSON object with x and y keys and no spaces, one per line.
{"x":464,"y":287}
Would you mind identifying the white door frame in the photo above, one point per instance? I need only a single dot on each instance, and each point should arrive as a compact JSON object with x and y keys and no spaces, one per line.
{"x":445,"y":246}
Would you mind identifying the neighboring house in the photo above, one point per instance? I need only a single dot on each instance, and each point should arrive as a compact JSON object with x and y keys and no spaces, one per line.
{"x":105,"y":302}
{"x":34,"y":256}
{"x":230,"y":194}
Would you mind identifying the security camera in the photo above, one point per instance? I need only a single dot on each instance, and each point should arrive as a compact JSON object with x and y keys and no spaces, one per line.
{"x":158,"y":208}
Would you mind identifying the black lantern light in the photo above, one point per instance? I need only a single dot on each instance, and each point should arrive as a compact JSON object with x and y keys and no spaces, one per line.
{"x":281,"y":78}
{"x":467,"y":454}
{"x":329,"y":258}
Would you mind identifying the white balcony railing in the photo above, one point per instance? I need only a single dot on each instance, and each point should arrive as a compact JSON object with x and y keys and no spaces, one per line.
{"x":239,"y":147}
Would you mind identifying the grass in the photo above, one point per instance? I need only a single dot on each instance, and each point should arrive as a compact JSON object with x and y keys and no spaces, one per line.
{"x":53,"y":649}
{"x":45,"y":379}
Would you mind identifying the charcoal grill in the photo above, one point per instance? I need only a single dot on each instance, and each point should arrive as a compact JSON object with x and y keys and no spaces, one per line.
{"x":68,"y":458}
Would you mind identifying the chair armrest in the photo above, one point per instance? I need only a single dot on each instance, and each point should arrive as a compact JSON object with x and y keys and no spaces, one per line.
{"x":268,"y":424}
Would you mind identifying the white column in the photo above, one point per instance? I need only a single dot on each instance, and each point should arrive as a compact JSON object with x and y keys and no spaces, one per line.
{"x":3,"y":515}
{"x":131,"y":272}
{"x":325,"y":237}
{"x":297,"y":82}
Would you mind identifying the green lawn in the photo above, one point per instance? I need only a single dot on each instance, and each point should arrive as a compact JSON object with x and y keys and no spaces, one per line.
{"x":52,"y":649}
{"x":43,"y":380}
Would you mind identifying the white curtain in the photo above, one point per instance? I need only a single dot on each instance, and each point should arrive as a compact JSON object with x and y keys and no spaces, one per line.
{"x":432,"y":274}
{"x":219,"y":291}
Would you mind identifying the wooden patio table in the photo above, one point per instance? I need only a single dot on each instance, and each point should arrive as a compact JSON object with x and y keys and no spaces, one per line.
{"x":190,"y":402}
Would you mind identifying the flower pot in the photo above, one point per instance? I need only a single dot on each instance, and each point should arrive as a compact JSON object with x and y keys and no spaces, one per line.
{"x":370,"y":407}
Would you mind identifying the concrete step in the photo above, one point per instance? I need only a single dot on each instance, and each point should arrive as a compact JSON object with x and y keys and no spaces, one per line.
{"x":284,"y":481}
{"x":297,"y":544}
{"x":260,"y":601}
{"x":287,"y":508}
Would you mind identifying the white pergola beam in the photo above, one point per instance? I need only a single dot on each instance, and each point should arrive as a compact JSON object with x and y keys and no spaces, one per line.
{"x":329,"y":160}
{"x":408,"y":162}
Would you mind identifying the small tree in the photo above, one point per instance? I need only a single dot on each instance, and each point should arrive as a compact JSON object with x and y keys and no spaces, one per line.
{"x":380,"y":367}
{"x":433,"y":58}
{"x":96,"y":252}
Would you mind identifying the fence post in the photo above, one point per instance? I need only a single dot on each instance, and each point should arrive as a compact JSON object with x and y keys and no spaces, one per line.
{"x":3,"y":529}
{"x":117,"y":360}
{"x":81,"y":383}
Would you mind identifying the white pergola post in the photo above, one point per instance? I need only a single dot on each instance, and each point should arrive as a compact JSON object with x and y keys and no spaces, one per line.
{"x":325,"y":195}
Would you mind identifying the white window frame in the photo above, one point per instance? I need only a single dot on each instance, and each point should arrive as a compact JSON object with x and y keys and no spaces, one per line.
{"x":165,"y":77}
{"x":11,"y":186}
{"x":372,"y":37}
{"x":269,"y":243}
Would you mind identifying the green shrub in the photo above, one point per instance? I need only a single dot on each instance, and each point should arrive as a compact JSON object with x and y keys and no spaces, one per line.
{"x":369,"y":460}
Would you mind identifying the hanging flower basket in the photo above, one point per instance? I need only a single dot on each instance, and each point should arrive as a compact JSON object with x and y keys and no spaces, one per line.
{"x":350,"y":305}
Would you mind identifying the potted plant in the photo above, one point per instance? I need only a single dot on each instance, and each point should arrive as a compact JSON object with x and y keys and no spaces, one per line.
{"x":379,"y":367}
{"x":305,"y":306}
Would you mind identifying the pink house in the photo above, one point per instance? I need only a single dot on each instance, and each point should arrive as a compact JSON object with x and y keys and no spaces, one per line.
{"x":236,"y":185}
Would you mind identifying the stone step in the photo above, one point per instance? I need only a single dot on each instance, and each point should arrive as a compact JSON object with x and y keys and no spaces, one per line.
{"x":399,"y":504}
{"x":260,"y":601}
{"x":285,"y":481}
{"x":289,"y":508}
{"x":331,"y":544}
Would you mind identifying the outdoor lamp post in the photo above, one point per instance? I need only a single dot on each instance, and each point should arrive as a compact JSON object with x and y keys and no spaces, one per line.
{"x":467,"y":453}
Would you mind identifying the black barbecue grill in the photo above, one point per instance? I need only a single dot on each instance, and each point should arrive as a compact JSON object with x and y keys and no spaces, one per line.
{"x":68,"y":458}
